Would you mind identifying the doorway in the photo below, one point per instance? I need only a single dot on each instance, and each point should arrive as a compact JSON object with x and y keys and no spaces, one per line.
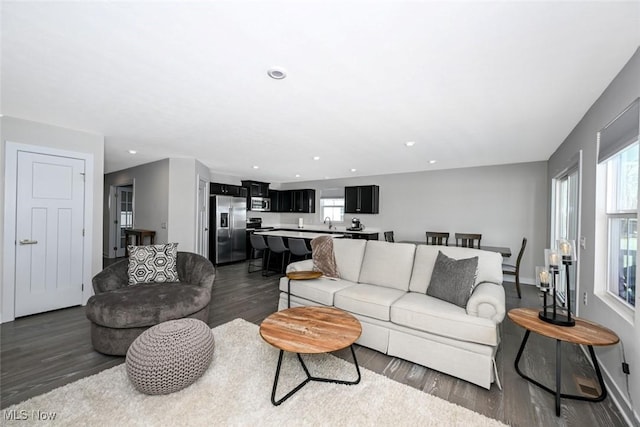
{"x":202,"y":220}
{"x":124,"y":217}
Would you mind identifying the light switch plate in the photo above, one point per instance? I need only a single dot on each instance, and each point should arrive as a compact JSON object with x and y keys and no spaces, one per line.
{"x":583,"y":242}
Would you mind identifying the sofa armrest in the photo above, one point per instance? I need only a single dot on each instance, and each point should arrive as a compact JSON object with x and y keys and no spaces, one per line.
{"x":113,"y":277}
{"x":195,"y":270}
{"x":487,"y":301}
{"x":305,"y":265}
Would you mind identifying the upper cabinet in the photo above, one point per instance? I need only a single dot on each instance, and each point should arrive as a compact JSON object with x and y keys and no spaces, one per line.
{"x":227,"y":189}
{"x":363,"y":199}
{"x":300,"y":201}
{"x":256,"y":188}
{"x":303,"y":201}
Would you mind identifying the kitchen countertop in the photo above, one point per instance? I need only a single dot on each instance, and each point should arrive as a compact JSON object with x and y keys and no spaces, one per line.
{"x":297,"y":234}
{"x":322,"y":228}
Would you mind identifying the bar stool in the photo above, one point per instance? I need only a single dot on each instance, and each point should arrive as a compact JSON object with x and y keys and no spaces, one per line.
{"x":257,"y":245}
{"x":276,"y":244}
{"x":298,"y":247}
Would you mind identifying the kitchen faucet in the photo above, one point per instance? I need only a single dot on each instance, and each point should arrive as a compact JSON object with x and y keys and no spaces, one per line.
{"x":330,"y":224}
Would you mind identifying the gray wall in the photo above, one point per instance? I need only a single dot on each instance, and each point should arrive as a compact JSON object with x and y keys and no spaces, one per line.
{"x":182,"y":194}
{"x":28,"y":132}
{"x":504,"y":203}
{"x":151,"y":201}
{"x":620,"y":93}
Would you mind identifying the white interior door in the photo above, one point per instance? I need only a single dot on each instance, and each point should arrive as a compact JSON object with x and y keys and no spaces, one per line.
{"x":202,"y":228}
{"x":49,"y":232}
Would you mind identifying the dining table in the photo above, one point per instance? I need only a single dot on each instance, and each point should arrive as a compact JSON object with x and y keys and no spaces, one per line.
{"x":502,"y":250}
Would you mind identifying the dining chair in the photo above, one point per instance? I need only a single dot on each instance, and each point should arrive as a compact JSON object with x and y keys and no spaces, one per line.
{"x":468,"y":240}
{"x":437,"y":238}
{"x":258,"y":245}
{"x":298,"y":247}
{"x":388,"y":236}
{"x":276,"y":245}
{"x":514,"y":270}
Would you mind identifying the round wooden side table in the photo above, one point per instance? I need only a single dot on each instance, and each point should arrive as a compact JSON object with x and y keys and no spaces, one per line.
{"x":584,"y":332}
{"x":299,"y":275}
{"x":310,"y":330}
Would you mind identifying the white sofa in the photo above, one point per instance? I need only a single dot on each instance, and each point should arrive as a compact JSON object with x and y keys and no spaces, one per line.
{"x":384,"y":285}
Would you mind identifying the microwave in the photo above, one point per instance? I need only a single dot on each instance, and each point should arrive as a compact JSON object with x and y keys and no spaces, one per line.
{"x":261,"y":204}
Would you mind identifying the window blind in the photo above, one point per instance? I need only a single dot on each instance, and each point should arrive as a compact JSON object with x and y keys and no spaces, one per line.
{"x":620,"y":132}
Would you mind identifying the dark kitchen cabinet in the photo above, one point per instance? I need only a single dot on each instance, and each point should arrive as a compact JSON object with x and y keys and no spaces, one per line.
{"x":256,"y":188}
{"x":303,"y":201}
{"x":300,"y":201}
{"x":280,"y":201}
{"x":364,"y":199}
{"x":227,"y":189}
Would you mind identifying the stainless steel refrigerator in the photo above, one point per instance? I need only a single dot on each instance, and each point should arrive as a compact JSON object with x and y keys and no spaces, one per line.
{"x":229,"y":223}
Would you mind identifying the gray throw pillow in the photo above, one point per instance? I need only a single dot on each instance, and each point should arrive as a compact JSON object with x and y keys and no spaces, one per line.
{"x":153,"y":263}
{"x":452,"y":280}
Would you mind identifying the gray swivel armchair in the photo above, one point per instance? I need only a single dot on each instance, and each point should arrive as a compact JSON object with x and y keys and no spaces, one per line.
{"x":119,"y":313}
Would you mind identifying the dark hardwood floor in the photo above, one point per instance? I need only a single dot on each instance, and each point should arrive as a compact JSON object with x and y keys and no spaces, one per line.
{"x":44,"y":351}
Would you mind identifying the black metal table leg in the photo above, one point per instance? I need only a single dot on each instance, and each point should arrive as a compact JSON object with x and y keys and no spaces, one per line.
{"x":309,"y":378}
{"x":558,"y":376}
{"x":557,"y":392}
{"x":289,"y":294}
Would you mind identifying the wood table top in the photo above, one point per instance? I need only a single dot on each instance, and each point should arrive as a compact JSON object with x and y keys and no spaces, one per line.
{"x":502,"y":250}
{"x":584,"y":332}
{"x":303,"y":275}
{"x":310,"y":329}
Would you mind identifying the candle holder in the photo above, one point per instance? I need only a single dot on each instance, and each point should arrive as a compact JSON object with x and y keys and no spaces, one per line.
{"x":565,"y":255}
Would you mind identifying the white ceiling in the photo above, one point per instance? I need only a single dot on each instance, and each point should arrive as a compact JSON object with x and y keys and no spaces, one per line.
{"x":472,"y":83}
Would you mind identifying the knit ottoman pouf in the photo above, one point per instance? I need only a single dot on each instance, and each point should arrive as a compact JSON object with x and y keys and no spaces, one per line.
{"x":170,"y":356}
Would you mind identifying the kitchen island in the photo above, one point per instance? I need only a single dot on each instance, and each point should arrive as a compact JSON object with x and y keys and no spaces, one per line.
{"x":307,"y":235}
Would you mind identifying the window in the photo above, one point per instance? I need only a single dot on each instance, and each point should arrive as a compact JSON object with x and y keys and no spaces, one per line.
{"x":332,"y":208}
{"x":622,"y":223}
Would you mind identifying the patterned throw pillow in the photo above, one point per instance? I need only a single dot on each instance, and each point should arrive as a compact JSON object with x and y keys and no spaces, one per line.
{"x":452,"y":280}
{"x":153,"y":263}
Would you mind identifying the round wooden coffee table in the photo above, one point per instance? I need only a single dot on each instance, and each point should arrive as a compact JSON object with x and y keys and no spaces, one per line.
{"x":310,"y":330}
{"x":584,"y":332}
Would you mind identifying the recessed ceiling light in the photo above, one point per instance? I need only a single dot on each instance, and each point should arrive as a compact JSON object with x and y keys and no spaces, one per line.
{"x":132,"y":151}
{"x":277,"y":73}
{"x":316,"y":157}
{"x":297,"y":175}
{"x":256,"y":167}
{"x":432,"y":161}
{"x":410,"y":143}
{"x":353,"y":170}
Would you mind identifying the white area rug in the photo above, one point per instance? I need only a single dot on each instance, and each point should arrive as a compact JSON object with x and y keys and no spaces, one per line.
{"x":236,"y":391}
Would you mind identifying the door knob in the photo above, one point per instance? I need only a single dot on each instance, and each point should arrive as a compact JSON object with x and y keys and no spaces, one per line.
{"x":28,"y":242}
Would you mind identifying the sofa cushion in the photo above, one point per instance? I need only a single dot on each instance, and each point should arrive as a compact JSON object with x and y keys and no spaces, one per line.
{"x":387,"y":264}
{"x":489,"y":265}
{"x":153,"y":263}
{"x":349,"y":254}
{"x":146,"y":304}
{"x":367,"y":300}
{"x":452,"y":280}
{"x":320,"y":290}
{"x":429,"y":314}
